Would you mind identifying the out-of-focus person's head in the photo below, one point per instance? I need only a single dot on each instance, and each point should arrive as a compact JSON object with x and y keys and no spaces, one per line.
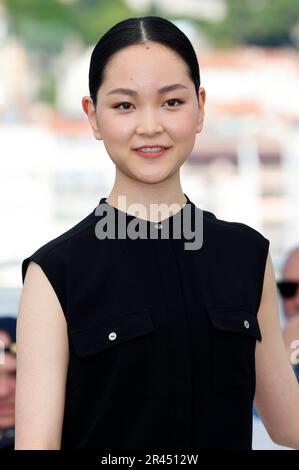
{"x":288,"y":285}
{"x":7,"y":371}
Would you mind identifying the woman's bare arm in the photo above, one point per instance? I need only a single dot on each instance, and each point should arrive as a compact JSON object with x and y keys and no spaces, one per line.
{"x":277,"y":390}
{"x":42,"y":361}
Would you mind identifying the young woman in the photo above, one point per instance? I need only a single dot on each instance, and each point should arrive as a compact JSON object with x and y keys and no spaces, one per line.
{"x":151,"y":341}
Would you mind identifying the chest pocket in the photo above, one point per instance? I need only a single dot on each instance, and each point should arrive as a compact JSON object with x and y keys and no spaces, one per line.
{"x":112,"y":360}
{"x":233,"y":336}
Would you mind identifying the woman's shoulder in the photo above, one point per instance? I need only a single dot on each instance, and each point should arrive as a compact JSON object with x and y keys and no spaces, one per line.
{"x":55,"y":251}
{"x":233,"y":229}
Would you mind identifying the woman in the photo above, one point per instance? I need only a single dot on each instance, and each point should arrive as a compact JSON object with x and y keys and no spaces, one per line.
{"x":139,"y":337}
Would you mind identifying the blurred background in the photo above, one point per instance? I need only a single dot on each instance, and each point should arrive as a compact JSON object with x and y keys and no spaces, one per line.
{"x":244,"y":166}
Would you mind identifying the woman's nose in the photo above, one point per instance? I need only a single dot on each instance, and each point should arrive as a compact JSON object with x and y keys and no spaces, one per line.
{"x":149,"y":123}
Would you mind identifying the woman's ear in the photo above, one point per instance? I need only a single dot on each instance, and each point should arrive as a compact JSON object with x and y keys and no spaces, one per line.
{"x":90,"y":111}
{"x":201,"y":111}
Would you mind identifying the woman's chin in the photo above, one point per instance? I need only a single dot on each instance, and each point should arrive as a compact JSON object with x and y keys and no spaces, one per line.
{"x":151,"y":177}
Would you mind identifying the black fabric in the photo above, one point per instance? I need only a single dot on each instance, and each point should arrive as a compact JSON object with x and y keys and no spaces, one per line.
{"x":161,"y":339}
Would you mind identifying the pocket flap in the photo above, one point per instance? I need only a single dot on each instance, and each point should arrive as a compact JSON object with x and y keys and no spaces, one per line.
{"x":235,"y":320}
{"x":111,"y":332}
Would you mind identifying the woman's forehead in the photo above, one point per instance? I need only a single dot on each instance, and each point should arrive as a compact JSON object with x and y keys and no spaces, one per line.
{"x":158,"y":60}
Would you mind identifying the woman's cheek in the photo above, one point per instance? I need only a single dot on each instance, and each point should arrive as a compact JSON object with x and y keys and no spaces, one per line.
{"x":181,"y":131}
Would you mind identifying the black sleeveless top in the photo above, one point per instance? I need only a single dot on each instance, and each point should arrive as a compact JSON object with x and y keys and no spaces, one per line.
{"x":161,"y":337}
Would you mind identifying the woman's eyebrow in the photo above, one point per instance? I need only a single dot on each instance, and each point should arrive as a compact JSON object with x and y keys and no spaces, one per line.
{"x":130,"y":92}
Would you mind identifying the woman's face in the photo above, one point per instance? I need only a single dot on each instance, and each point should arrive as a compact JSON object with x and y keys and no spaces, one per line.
{"x":126,"y":121}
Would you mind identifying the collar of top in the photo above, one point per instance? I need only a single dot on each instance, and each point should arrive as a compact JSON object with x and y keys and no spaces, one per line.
{"x":174,"y":226}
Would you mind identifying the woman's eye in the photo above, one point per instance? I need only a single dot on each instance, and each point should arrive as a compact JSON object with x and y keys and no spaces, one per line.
{"x":117,"y":106}
{"x":173,"y":99}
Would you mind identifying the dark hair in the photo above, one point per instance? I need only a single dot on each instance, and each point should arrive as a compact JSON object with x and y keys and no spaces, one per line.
{"x":139,"y":30}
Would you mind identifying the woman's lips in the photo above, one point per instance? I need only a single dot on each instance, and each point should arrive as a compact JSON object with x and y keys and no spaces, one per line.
{"x":151,"y":154}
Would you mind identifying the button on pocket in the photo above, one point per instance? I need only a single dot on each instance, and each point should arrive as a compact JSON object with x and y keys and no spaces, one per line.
{"x":114,"y":358}
{"x":97,"y":338}
{"x":233,"y":336}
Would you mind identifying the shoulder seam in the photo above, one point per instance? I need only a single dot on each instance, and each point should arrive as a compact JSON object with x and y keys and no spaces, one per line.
{"x":67,"y":237}
{"x":230,"y":222}
{"x":249,"y":228}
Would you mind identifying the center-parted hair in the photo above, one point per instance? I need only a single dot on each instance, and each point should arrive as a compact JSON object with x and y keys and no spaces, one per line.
{"x":140,"y":30}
